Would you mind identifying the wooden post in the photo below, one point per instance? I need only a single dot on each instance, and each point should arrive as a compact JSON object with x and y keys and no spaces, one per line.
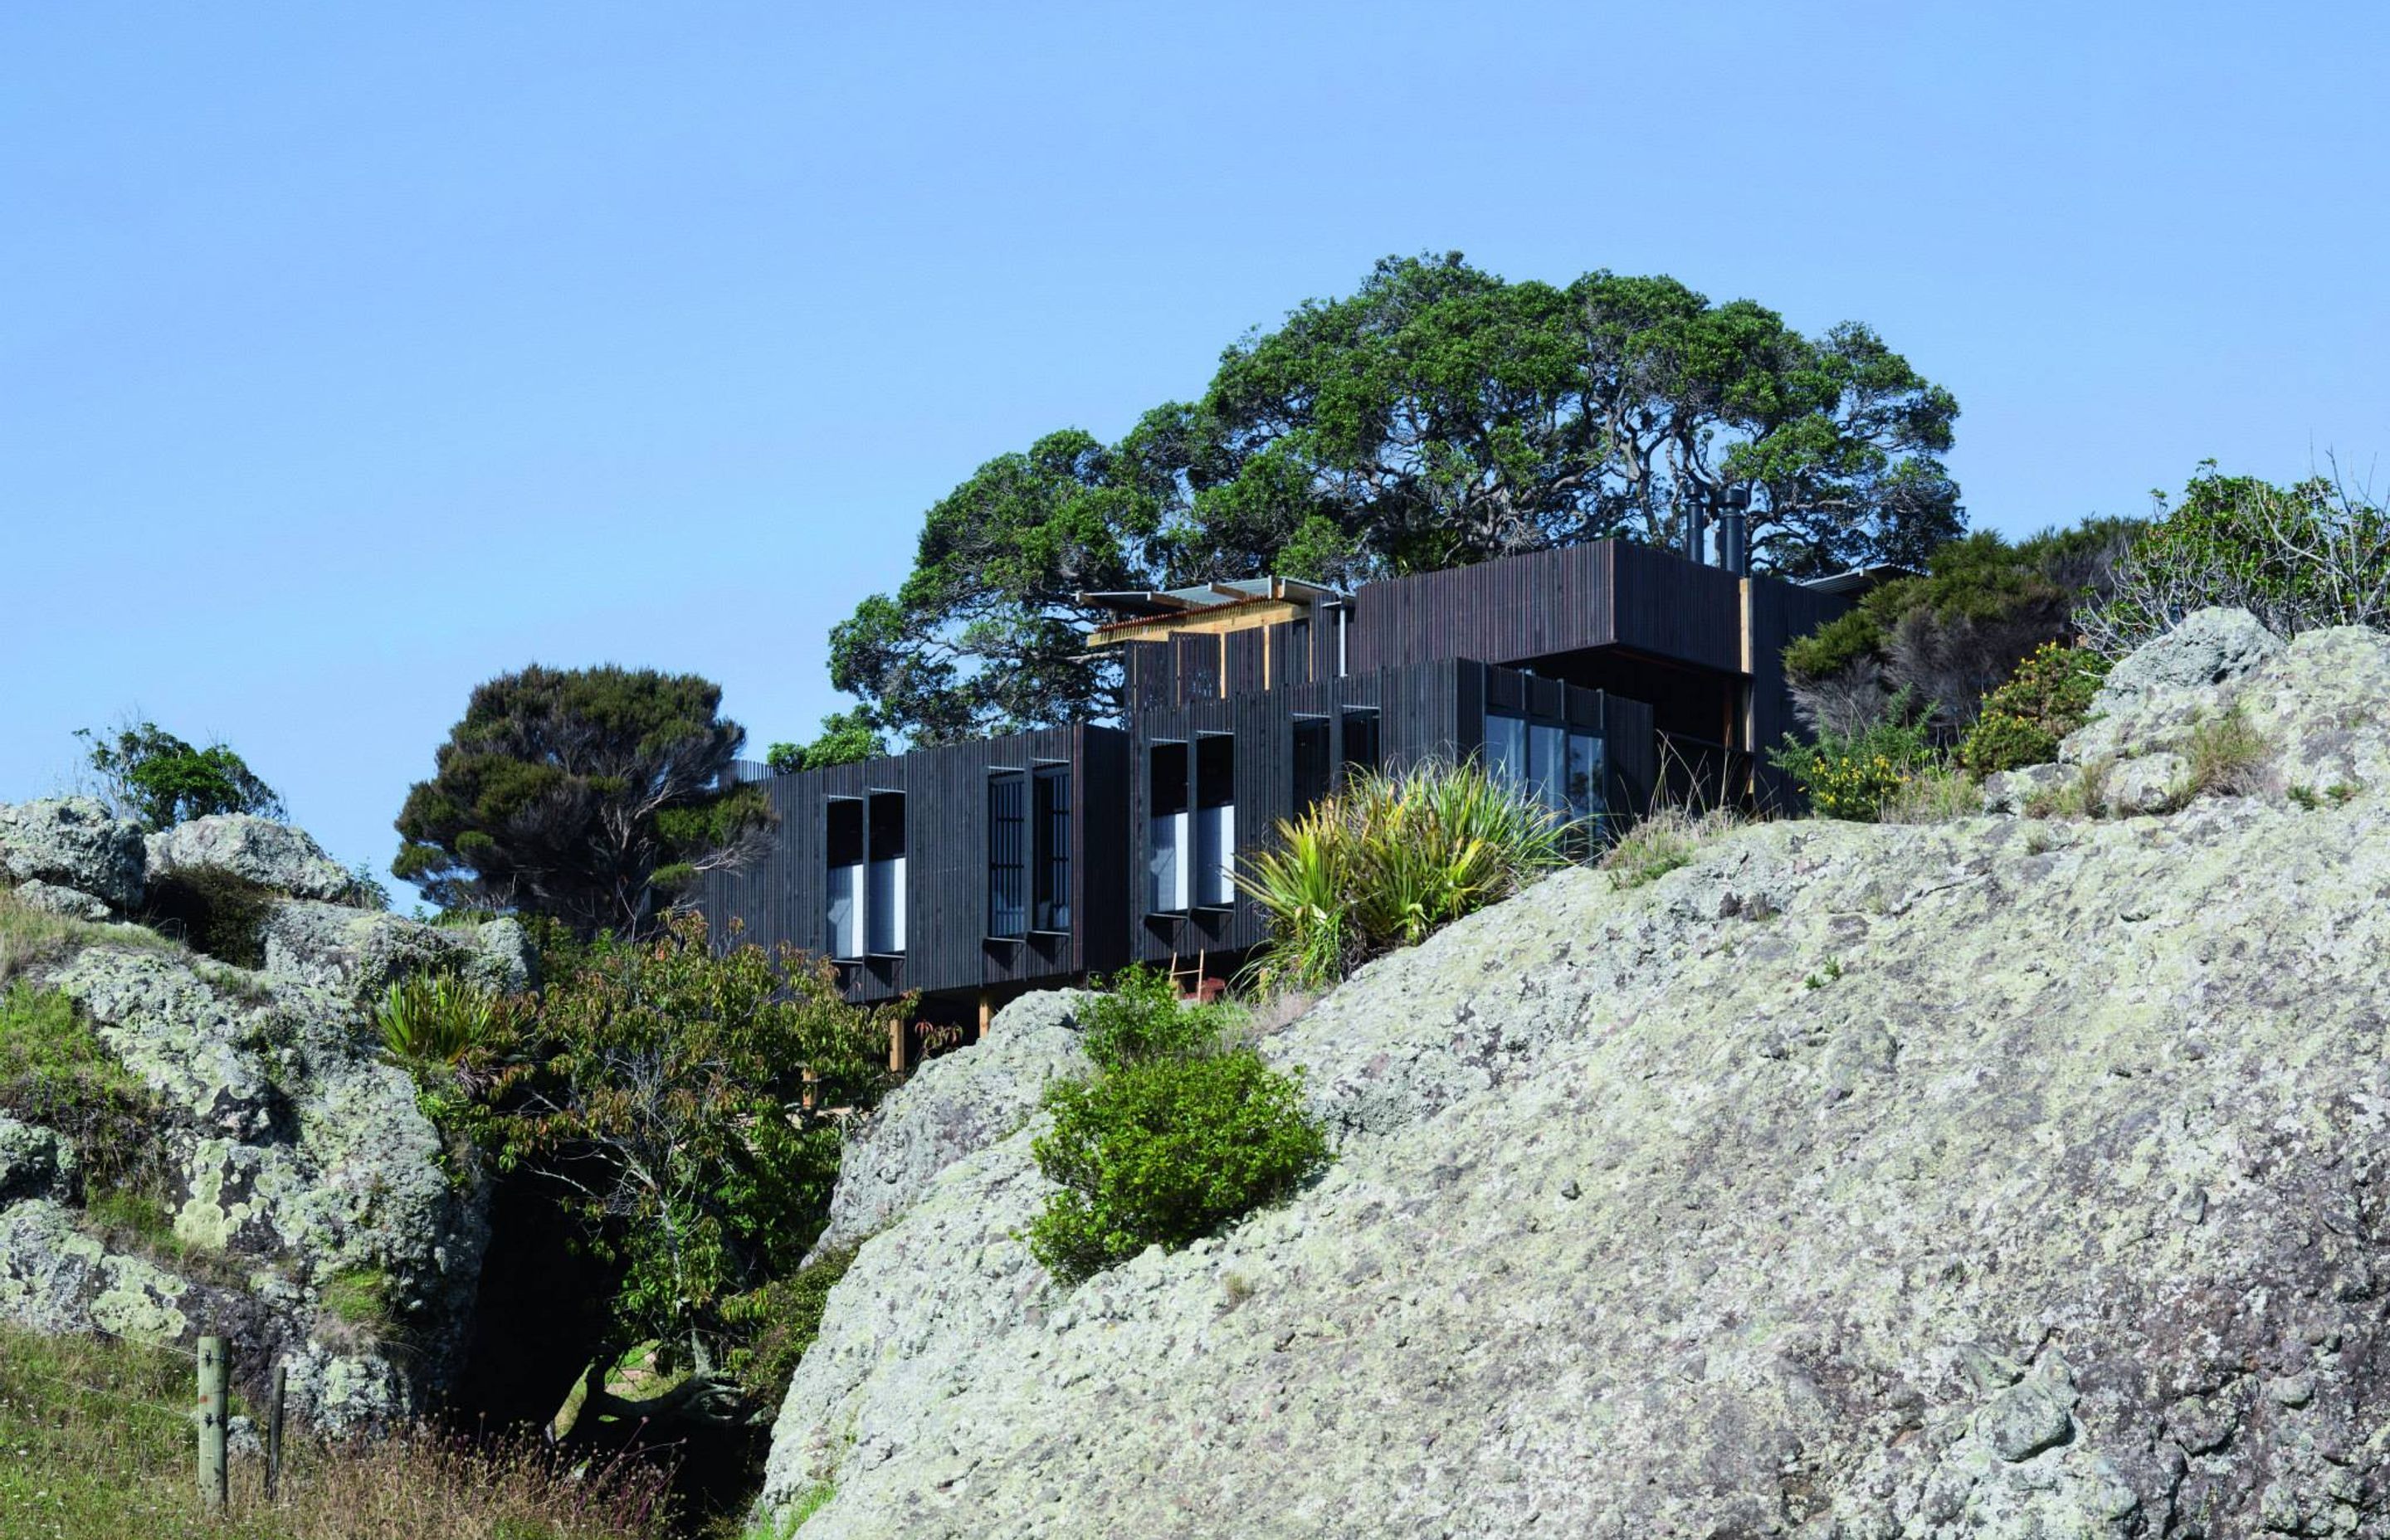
{"x":215,"y":1399}
{"x":987,"y":1014}
{"x":274,"y":1433}
{"x":896,"y":1046}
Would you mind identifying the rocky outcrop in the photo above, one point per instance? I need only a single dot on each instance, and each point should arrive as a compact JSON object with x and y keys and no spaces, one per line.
{"x":317,"y":1216}
{"x":76,"y":844}
{"x":357,"y":954}
{"x":955,"y":1105}
{"x":2011,"y":1177}
{"x":273,"y":855}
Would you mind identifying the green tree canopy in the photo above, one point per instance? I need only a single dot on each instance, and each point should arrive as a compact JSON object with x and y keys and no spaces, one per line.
{"x":847,"y":737}
{"x":581,"y":795}
{"x":1438,"y":416}
{"x":157,"y":778}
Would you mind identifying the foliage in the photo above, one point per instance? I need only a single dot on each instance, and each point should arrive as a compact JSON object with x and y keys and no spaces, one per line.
{"x":1438,"y":416}
{"x":216,"y":912}
{"x":366,"y":889}
{"x":2300,"y":557}
{"x":439,"y":1018}
{"x":99,"y":1439}
{"x":55,"y":1072}
{"x":1937,"y":793}
{"x":1177,"y":1135}
{"x":1955,"y":631}
{"x":1140,"y":1018}
{"x":581,"y":794}
{"x":359,"y":1297}
{"x":1669,"y":838}
{"x":1856,"y":775}
{"x":151,"y":775}
{"x":2022,"y":721}
{"x":773,"y":1326}
{"x":1391,"y":858}
{"x":847,"y":737}
{"x":681,"y":1108}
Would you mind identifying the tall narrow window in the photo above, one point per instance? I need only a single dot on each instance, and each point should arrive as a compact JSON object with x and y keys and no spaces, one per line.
{"x":1051,"y":884}
{"x":1310,"y":760}
{"x":1547,"y":766}
{"x":1215,"y":820}
{"x":1506,"y":750}
{"x":1587,"y":770}
{"x":842,"y":916}
{"x":1360,"y":740}
{"x":1008,"y":854}
{"x":883,"y":888}
{"x":1170,"y":858}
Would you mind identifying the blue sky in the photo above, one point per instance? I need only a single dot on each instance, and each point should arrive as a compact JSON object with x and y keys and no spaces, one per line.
{"x":350,"y":354}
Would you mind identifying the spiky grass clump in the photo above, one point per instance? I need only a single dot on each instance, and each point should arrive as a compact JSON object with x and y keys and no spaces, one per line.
{"x":1666,"y":840}
{"x":1388,"y":861}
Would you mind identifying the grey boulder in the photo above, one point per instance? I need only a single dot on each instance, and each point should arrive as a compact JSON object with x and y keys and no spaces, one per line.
{"x":72,"y":842}
{"x":273,"y":855}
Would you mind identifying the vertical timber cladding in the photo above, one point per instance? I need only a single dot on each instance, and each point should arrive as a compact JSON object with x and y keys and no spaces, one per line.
{"x":1504,"y":611}
{"x":784,"y":896}
{"x":1781,"y":612}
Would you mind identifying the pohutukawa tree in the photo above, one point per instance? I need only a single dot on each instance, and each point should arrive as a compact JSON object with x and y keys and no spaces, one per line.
{"x":589,"y":796}
{"x":1438,"y":417}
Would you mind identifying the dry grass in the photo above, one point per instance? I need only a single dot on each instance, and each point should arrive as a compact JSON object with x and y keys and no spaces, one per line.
{"x":1669,"y":837}
{"x":1936,"y":794}
{"x":31,"y":936}
{"x":2227,"y":756}
{"x":101,"y":1446}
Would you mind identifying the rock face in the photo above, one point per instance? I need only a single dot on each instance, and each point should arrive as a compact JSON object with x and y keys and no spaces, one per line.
{"x":955,"y":1106}
{"x":275,"y":855}
{"x":317,"y":1217}
{"x":2011,"y":1177}
{"x":72,"y":842}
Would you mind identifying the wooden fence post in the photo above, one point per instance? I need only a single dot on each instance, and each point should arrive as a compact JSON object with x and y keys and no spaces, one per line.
{"x":274,"y":1433}
{"x":215,"y":1400}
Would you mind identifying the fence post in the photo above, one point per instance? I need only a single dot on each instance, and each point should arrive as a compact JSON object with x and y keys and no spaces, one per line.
{"x":274,"y":1433}
{"x":215,"y":1387}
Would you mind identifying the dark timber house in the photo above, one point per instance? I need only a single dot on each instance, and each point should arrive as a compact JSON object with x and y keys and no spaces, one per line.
{"x":1597,"y":677}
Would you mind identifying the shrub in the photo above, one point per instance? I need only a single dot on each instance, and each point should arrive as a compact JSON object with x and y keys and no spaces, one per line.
{"x":2298,"y":557}
{"x":1935,"y":794}
{"x":1391,"y":859}
{"x":213,"y":911}
{"x":778,"y":1323}
{"x":1177,"y":1135}
{"x":438,"y":1019}
{"x":150,"y":775}
{"x":1165,"y":1152}
{"x":1854,"y":775}
{"x":2022,"y":722}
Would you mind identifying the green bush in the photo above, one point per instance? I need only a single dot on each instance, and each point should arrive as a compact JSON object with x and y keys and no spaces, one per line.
{"x":1165,"y":1152}
{"x":1855,"y":775}
{"x":439,"y":1018}
{"x":2298,"y":557}
{"x":213,"y":911}
{"x":1391,"y":859}
{"x":1667,"y":839}
{"x":2022,"y":722}
{"x":1177,"y":1135}
{"x":773,"y":1326}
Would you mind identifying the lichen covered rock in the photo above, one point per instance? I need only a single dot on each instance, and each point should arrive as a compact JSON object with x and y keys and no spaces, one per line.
{"x":72,"y":842}
{"x":953,"y":1106}
{"x":2053,"y":1207}
{"x":357,"y":954}
{"x":273,"y":855}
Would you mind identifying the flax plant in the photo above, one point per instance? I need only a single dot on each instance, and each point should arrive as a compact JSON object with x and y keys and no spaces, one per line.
{"x":1393,"y":857}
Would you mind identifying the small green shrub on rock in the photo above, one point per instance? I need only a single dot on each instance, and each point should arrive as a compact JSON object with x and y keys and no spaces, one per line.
{"x":775,"y":1324}
{"x":55,"y":1072}
{"x":2022,"y":722}
{"x":1855,"y":775}
{"x":1176,"y":1135}
{"x":1670,"y":838}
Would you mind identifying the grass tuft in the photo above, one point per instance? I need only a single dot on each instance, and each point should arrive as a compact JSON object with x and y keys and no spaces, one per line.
{"x":1670,"y":838}
{"x":2227,"y":755}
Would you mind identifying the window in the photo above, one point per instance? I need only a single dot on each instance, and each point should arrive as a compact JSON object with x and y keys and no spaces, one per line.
{"x":1050,"y":881}
{"x":1360,"y":740}
{"x":1168,"y":859}
{"x":1215,"y":820}
{"x":1587,"y":768}
{"x":1506,"y":749}
{"x":1007,"y":856}
{"x":883,"y":888}
{"x":842,"y":918}
{"x":1310,"y":760}
{"x":1547,"y":766}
